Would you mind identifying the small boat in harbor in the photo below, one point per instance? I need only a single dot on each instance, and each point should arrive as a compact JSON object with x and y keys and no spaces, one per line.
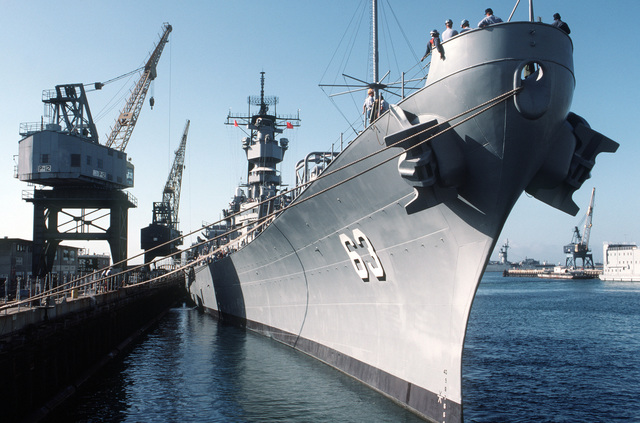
{"x":565,"y":273}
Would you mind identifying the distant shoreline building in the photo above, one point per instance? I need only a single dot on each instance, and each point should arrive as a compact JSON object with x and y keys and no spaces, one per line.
{"x":16,"y":255}
{"x":621,"y":262}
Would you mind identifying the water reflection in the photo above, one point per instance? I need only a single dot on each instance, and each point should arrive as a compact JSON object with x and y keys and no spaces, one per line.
{"x":191,"y":368}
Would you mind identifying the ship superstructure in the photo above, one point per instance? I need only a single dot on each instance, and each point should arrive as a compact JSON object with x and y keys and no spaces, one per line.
{"x":503,"y":260}
{"x":255,"y":202}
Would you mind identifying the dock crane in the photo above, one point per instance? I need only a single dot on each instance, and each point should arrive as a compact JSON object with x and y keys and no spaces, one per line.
{"x":579,"y":246}
{"x":163,"y":231}
{"x":86,"y":197}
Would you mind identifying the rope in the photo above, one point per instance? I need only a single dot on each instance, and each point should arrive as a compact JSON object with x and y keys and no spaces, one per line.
{"x":401,"y":28}
{"x":101,"y":84}
{"x":262,"y":222}
{"x":498,"y":99}
{"x":70,"y":285}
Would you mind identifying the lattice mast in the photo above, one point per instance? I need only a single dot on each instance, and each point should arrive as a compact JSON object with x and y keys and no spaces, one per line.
{"x":171,"y":193}
{"x":586,"y":233}
{"x":579,"y":246}
{"x":374,"y":37}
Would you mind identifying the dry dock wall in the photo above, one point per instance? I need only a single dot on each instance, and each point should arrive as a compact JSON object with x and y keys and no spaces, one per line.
{"x":47,"y":353}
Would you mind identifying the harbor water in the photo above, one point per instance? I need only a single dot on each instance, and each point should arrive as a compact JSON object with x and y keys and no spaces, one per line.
{"x":536,"y":351}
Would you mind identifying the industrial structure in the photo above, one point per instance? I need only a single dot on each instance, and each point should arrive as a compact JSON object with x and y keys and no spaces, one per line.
{"x":579,"y":246}
{"x":16,"y":255}
{"x":86,"y":180}
{"x":621,"y":262}
{"x":263,"y":155}
{"x":162,"y":237}
{"x":503,"y":253}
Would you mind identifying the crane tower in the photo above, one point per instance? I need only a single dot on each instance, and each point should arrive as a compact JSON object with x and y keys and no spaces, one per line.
{"x":81,"y":183}
{"x":162,"y":236}
{"x":579,"y":246}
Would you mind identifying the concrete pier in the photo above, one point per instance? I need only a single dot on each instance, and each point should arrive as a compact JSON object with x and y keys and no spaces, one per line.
{"x":47,"y":352}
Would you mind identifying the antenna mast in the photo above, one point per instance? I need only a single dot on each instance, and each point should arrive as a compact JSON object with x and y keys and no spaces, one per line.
{"x":374,"y":9}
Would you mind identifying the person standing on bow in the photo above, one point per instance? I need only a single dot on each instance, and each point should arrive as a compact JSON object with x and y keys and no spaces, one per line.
{"x":557,"y":22}
{"x":489,"y":19}
{"x":465,"y":26}
{"x":449,"y":32}
{"x":367,"y":107}
{"x":384,"y":106}
{"x":434,"y":44}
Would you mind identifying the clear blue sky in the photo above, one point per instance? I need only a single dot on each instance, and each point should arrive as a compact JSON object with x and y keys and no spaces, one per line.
{"x":212,"y":63}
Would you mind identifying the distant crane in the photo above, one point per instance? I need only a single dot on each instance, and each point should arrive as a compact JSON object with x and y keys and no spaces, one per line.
{"x":579,"y":246}
{"x":164,"y":227}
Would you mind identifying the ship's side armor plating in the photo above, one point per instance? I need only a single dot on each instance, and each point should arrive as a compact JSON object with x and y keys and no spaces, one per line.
{"x":390,"y":305}
{"x":434,"y":168}
{"x":565,"y":171}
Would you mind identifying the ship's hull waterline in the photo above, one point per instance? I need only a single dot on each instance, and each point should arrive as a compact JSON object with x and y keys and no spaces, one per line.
{"x":377,"y":277}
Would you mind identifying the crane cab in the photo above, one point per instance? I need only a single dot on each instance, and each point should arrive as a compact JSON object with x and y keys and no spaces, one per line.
{"x":56,"y":158}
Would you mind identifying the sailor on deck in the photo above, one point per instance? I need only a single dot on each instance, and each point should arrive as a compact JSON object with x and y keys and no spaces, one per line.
{"x":489,"y":19}
{"x":384,"y":105}
{"x":449,"y":32}
{"x":558,"y":23}
{"x":368,"y":106}
{"x":434,"y":44}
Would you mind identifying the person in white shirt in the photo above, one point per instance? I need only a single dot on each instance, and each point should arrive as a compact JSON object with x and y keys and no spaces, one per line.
{"x":489,"y":19}
{"x":368,"y":106}
{"x":449,"y":32}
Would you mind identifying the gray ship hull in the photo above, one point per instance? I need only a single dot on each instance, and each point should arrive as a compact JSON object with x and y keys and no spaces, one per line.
{"x":375,"y":267}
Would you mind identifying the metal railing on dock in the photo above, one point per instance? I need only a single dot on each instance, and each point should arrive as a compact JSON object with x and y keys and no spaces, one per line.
{"x":51,"y":292}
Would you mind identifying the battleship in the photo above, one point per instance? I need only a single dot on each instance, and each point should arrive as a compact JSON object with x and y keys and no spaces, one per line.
{"x":372,"y":261}
{"x":503,"y":262}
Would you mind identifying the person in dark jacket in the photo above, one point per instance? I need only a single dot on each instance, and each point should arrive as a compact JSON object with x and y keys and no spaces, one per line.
{"x":557,"y":22}
{"x":434,"y":44}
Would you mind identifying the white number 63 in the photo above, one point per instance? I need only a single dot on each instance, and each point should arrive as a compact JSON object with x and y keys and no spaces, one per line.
{"x":361,"y":241}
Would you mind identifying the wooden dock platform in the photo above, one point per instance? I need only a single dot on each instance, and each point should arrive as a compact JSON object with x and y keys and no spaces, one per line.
{"x":51,"y":345}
